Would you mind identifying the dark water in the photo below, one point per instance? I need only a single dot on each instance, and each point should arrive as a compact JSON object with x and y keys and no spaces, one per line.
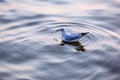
{"x":28,"y":50}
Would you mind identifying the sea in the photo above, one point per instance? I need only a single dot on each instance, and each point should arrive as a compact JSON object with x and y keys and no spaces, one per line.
{"x":30,"y":46}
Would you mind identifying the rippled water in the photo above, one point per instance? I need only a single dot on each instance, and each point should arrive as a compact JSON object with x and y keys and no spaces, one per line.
{"x":28,"y":50}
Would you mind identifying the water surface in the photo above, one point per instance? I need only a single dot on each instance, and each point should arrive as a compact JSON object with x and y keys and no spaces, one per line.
{"x":28,"y":50}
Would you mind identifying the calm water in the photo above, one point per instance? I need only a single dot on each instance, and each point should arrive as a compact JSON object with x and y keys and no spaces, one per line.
{"x":28,"y":50}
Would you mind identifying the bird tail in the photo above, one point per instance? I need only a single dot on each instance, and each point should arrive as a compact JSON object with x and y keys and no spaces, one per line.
{"x":84,"y":33}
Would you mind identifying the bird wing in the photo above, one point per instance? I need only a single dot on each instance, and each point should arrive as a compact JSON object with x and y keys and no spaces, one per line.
{"x":72,"y":37}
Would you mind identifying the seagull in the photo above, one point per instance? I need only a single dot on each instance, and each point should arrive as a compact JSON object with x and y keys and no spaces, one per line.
{"x":71,"y":37}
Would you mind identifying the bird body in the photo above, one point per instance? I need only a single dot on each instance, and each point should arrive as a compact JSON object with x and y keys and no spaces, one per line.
{"x":71,"y":37}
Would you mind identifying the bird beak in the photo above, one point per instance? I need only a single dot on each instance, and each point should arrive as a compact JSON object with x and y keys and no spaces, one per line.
{"x":58,"y":30}
{"x":84,"y":33}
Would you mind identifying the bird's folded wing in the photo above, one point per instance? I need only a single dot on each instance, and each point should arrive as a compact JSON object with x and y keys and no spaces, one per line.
{"x":72,"y":37}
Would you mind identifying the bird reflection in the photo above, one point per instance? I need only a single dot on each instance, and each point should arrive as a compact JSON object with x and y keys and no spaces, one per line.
{"x":78,"y":46}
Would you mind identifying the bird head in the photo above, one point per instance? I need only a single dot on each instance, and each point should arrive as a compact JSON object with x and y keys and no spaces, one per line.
{"x":61,"y":29}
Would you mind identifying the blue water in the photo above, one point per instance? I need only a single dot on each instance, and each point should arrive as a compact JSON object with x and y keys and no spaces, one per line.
{"x":28,"y":50}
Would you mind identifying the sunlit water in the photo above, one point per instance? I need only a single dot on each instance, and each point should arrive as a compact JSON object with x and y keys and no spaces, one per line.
{"x":28,"y":50}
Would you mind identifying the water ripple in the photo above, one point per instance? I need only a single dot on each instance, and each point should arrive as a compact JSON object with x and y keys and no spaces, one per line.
{"x":28,"y":50}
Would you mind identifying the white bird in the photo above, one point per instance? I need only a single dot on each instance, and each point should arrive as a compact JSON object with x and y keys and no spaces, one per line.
{"x":71,"y":37}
